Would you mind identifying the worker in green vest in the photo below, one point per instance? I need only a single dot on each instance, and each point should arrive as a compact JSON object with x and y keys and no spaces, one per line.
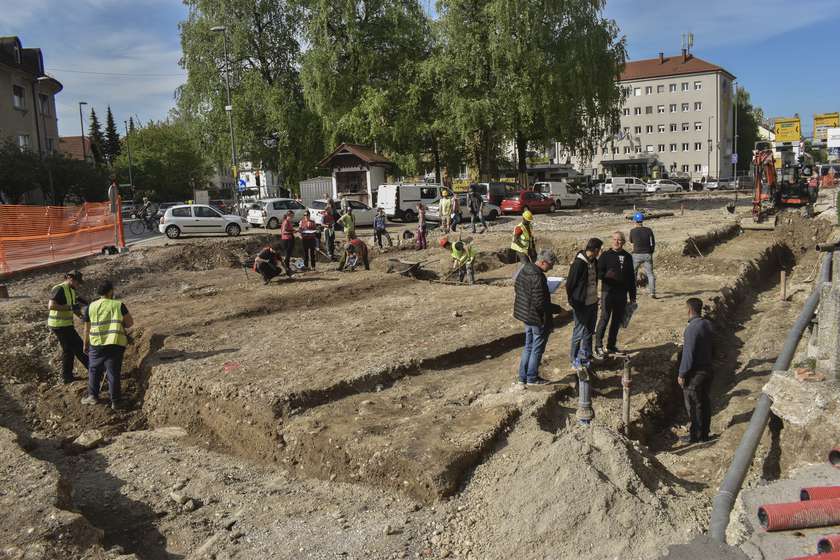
{"x":63,"y":304}
{"x":523,"y":239}
{"x":463,"y":257}
{"x":106,"y":321}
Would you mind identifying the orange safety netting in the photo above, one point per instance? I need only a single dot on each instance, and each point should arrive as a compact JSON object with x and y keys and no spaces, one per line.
{"x":34,"y":236}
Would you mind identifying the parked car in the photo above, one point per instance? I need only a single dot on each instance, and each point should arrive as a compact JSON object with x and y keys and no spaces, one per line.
{"x":663,"y":185}
{"x":560,"y":192}
{"x":495,"y":192}
{"x":270,"y":212}
{"x":622,"y":185}
{"x":490,"y":211}
{"x":533,"y":201}
{"x":362,"y":213}
{"x":199,"y":218}
{"x":164,"y":206}
{"x":687,"y":183}
{"x":400,"y":201}
{"x":709,"y":183}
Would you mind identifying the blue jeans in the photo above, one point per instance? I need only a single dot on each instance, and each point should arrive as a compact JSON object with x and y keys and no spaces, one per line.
{"x":535,"y":340}
{"x":109,"y":358}
{"x":585,"y":316}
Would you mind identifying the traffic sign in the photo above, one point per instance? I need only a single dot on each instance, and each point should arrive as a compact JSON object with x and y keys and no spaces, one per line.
{"x":735,"y":158}
{"x":242,"y":185}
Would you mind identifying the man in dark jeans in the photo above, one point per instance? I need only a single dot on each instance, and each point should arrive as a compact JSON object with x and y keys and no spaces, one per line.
{"x":477,"y":211}
{"x":532,"y":305}
{"x":695,"y":374}
{"x":62,"y":306}
{"x":618,"y":281}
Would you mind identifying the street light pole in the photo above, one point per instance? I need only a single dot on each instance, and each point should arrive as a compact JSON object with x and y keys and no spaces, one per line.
{"x":735,"y":140}
{"x":128,"y":149}
{"x":709,"y":154}
{"x":229,"y":109}
{"x":82,"y":126}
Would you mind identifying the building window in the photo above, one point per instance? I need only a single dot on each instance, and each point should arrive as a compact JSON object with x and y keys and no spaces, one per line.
{"x":626,"y":111}
{"x":698,"y":168}
{"x":637,"y":149}
{"x":660,"y":89}
{"x":672,"y":88}
{"x":18,"y":97}
{"x":649,"y":128}
{"x":626,"y":149}
{"x":615,"y":151}
{"x":685,"y":107}
{"x":724,"y":84}
{"x":50,"y":144}
{"x":684,"y":86}
{"x":698,"y":86}
{"x":685,"y":146}
{"x":673,"y":147}
{"x":661,"y":128}
{"x":637,"y":110}
{"x":44,"y":104}
{"x":673,"y":127}
{"x":660,"y":109}
{"x":698,"y":125}
{"x":24,"y":142}
{"x":637,"y":91}
{"x":649,"y":148}
{"x":638,"y":130}
{"x":649,"y":110}
{"x":626,"y":130}
{"x":698,"y":105}
{"x":673,"y":107}
{"x":685,"y":127}
{"x":685,"y":168}
{"x":648,"y":90}
{"x":661,"y":148}
{"x":698,"y":146}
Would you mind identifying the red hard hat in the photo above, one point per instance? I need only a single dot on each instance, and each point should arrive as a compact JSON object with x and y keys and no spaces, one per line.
{"x":443,"y":241}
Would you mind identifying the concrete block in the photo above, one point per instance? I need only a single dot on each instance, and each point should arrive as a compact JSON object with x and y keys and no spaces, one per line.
{"x":835,"y":268}
{"x":828,"y":356}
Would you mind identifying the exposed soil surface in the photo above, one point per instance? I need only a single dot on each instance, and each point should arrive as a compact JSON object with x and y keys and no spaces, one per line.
{"x":373,"y":415}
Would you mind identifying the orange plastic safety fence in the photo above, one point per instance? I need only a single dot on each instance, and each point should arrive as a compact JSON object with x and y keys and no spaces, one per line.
{"x":34,"y":236}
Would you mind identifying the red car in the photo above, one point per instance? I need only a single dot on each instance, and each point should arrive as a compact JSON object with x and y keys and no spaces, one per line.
{"x":535,"y":202}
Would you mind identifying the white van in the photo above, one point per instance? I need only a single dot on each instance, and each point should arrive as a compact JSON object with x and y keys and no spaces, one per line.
{"x":559,"y":191}
{"x":623,"y":185}
{"x":400,"y":201}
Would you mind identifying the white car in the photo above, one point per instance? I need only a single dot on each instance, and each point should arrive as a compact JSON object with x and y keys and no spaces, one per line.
{"x":559,"y":191}
{"x":362,"y":213}
{"x":272,"y":211}
{"x":621,"y":185}
{"x":191,"y":219}
{"x":490,"y":211}
{"x":663,"y":185}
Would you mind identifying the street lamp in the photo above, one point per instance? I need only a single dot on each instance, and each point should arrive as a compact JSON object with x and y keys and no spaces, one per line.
{"x":229,"y":109}
{"x":82,"y":125}
{"x":735,"y":137}
{"x":128,"y":149}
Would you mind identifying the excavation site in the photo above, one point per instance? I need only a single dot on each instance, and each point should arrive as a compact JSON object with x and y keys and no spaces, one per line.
{"x":374,"y":414}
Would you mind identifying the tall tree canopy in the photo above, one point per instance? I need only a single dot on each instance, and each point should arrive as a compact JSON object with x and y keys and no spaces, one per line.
{"x":97,"y":140}
{"x":749,"y":118}
{"x":112,"y":138}
{"x":273,"y":124}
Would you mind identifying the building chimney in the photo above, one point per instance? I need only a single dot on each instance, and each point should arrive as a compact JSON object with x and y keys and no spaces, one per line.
{"x":661,"y":58}
{"x":685,"y":55}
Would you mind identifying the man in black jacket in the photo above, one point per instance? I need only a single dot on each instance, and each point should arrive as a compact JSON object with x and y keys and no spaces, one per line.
{"x":532,"y":305}
{"x":618,"y":281}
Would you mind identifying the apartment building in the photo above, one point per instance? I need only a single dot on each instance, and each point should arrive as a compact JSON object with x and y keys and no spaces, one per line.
{"x":27,"y":98}
{"x":677,"y":119}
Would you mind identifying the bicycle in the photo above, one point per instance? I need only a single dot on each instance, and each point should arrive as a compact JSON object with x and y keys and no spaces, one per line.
{"x":139,"y":224}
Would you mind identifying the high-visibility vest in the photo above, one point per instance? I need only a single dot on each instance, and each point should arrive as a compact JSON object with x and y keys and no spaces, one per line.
{"x":522,"y":243}
{"x":463,"y":257}
{"x":58,"y":319}
{"x":106,"y":323}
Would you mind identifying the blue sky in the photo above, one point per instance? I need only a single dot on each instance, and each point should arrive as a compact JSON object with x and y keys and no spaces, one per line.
{"x":125,"y":52}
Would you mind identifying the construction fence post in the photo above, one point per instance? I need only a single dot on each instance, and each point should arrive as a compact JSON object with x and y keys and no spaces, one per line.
{"x":625,"y":397}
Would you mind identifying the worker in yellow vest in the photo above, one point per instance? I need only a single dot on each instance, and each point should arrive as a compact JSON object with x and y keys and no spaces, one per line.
{"x":63,"y":304}
{"x":523,"y":239}
{"x":106,"y":321}
{"x":463,"y":257}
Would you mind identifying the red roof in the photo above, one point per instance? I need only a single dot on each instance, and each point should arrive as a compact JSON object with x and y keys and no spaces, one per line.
{"x":668,"y":66}
{"x":71,"y":146}
{"x":362,"y":152}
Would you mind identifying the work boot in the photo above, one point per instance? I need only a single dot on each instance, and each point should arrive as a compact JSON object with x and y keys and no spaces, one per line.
{"x":119,"y":405}
{"x":599,"y":352}
{"x":90,"y":399}
{"x":538,"y":381}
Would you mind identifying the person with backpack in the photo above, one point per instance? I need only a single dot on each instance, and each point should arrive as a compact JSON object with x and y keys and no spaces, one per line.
{"x":644,"y":244}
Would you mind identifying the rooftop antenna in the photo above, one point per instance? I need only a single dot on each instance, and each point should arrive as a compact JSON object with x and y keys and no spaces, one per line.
{"x":687,"y":41}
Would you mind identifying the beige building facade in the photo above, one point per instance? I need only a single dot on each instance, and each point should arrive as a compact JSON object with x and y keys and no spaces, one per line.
{"x":27,"y":98}
{"x":677,"y":119}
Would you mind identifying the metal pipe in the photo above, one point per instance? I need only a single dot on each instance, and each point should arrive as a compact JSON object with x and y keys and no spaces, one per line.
{"x":734,"y":478}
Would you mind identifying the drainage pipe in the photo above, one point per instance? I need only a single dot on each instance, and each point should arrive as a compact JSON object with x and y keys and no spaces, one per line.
{"x":799,"y":515}
{"x":819,"y":493}
{"x":743,"y":458}
{"x":829,"y":543}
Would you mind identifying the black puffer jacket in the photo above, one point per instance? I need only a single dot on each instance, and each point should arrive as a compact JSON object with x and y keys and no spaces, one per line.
{"x":532,"y":303}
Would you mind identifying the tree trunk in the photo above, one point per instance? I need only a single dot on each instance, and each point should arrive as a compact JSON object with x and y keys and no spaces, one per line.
{"x":436,"y":158}
{"x":522,"y":159}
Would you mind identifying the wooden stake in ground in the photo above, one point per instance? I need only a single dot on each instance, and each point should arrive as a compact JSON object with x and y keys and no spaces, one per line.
{"x":783,"y":287}
{"x":625,"y":397}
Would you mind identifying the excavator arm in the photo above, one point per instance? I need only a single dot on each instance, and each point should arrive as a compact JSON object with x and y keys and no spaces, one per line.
{"x":765,"y":185}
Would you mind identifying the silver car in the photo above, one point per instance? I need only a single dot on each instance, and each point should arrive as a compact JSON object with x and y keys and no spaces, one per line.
{"x":199,"y":218}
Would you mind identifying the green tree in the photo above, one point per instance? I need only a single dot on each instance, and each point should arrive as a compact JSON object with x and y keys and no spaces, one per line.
{"x":111,"y":145}
{"x":168,"y":161}
{"x":749,"y":118}
{"x":97,"y":140}
{"x":20,"y":172}
{"x":130,"y":125}
{"x":273,"y":125}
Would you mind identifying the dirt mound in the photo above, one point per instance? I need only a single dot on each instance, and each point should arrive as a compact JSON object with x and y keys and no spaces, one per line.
{"x":590,"y":493}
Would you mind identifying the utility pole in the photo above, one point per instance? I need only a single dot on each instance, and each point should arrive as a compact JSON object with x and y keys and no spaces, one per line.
{"x":229,"y":109}
{"x":735,"y":141}
{"x":82,"y":125}
{"x":128,"y":149}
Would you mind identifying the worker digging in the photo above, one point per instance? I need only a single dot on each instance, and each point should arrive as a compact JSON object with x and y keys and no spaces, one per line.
{"x":463,"y":256}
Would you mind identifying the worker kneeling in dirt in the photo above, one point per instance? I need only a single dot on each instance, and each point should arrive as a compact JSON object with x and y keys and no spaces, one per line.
{"x":463,"y":256}
{"x":267,"y":264}
{"x":355,"y":251}
{"x":106,"y":320}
